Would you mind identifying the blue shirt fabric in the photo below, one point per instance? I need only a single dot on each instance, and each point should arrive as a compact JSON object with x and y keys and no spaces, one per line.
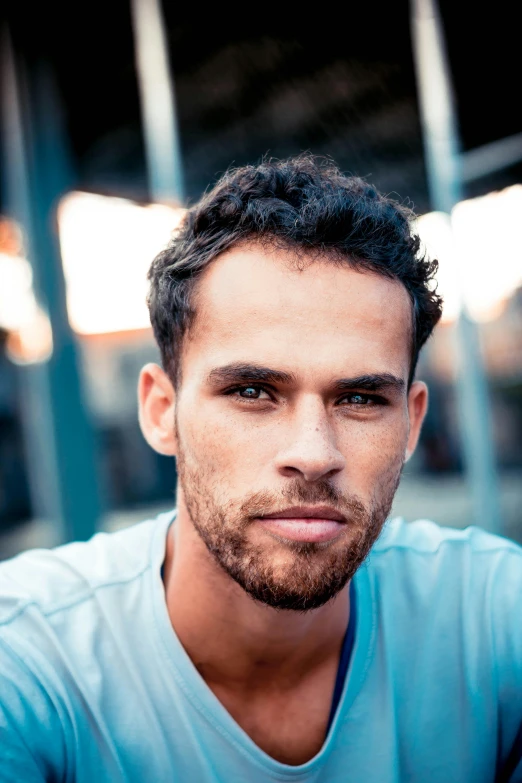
{"x":95,"y":685}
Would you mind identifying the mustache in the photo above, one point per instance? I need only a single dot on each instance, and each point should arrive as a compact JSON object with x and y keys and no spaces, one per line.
{"x":296,"y":493}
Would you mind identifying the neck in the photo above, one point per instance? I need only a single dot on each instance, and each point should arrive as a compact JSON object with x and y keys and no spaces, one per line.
{"x":233,"y":640}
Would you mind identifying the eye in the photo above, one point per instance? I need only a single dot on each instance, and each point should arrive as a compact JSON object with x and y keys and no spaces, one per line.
{"x":250,"y":392}
{"x":359,"y":399}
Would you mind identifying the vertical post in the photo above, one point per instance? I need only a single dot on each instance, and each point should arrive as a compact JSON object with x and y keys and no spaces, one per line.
{"x":158,"y":104}
{"x":443,"y":163}
{"x":38,"y":432}
{"x":37,"y":175}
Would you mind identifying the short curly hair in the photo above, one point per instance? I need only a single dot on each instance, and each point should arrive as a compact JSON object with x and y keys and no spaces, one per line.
{"x":304,"y":203}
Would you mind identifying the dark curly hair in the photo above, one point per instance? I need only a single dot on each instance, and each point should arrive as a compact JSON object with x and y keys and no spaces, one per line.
{"x":304,"y":203}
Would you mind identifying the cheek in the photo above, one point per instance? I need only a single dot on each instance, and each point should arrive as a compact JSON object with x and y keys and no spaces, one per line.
{"x":224,"y":444}
{"x":373,"y":449}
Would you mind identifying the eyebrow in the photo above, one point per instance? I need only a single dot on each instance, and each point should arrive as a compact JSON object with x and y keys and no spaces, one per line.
{"x":244,"y":373}
{"x":234,"y":373}
{"x":380,"y":382}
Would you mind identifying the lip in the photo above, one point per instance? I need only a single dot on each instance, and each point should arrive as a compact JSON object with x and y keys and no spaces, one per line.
{"x":313,"y":524}
{"x":307,"y":512}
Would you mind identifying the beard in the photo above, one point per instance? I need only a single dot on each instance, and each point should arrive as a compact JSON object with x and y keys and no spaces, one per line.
{"x":310,"y":574}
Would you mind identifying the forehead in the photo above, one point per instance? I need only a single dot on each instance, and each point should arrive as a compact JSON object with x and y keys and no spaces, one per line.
{"x":258,"y":304}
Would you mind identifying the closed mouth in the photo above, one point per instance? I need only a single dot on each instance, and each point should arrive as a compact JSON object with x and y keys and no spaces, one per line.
{"x":307,"y":512}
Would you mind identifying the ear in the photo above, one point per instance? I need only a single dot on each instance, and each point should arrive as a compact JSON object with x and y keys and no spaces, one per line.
{"x":156,"y":401}
{"x":417,"y":407}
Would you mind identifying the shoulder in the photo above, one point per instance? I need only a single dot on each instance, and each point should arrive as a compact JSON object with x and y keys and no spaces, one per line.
{"x":55,"y":607}
{"x":50,"y":580}
{"x":426,"y":546}
{"x":426,"y":537}
{"x":431,"y":553}
{"x":469,"y":574}
{"x":445,"y":606}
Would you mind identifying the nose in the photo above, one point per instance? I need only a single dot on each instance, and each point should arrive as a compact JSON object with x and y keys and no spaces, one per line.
{"x":311,"y":451}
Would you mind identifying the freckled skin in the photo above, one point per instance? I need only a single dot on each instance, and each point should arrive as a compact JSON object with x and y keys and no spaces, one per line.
{"x":302,"y":440}
{"x":321,"y":323}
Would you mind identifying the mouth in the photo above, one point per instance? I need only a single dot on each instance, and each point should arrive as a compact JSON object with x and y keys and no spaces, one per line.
{"x":312,"y":524}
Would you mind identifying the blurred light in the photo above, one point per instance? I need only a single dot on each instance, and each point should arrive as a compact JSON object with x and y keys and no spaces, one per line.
{"x":436,"y":235}
{"x":479,"y":252}
{"x":108,"y":244}
{"x":17,"y":300}
{"x":490,"y":232}
{"x":107,"y":247}
{"x":30,"y":336}
{"x":33,"y":341}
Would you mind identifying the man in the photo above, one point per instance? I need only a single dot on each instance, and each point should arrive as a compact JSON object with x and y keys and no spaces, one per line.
{"x":248,"y":636}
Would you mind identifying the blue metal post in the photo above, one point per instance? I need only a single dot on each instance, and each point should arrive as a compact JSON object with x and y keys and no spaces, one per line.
{"x":445,"y":176}
{"x":158,"y":103}
{"x":38,"y":175}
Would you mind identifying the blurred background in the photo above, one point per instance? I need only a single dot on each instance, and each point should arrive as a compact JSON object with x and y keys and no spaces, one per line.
{"x":116,"y":116}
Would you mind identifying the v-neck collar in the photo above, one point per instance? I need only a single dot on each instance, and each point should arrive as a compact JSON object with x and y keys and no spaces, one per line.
{"x":205,"y":701}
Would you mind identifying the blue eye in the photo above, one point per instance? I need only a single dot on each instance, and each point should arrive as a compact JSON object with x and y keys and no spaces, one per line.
{"x":249,"y":392}
{"x":359,"y":399}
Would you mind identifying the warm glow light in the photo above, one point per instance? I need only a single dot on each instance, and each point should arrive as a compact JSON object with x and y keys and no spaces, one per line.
{"x":17,"y":301}
{"x":479,"y":252}
{"x":30,"y":336}
{"x":107,"y":247}
{"x":489,"y":233}
{"x":32,"y":342}
{"x":436,"y":234}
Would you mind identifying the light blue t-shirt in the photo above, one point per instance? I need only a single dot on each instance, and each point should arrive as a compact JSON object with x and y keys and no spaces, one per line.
{"x":95,"y":687}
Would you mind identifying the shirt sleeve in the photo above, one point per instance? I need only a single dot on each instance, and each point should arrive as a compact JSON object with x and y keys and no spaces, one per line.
{"x":511,"y":771}
{"x":507,"y":635}
{"x":31,"y":736}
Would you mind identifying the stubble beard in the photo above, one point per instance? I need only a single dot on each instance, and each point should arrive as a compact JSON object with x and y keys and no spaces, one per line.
{"x":313,"y":572}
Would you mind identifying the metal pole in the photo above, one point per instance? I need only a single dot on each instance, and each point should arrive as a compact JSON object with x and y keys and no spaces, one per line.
{"x":158,"y":104}
{"x":40,"y":447}
{"x":491,"y":157}
{"x":444,"y":168}
{"x":58,"y":424}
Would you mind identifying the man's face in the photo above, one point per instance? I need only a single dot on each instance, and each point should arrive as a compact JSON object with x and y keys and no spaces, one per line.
{"x":293,"y":419}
